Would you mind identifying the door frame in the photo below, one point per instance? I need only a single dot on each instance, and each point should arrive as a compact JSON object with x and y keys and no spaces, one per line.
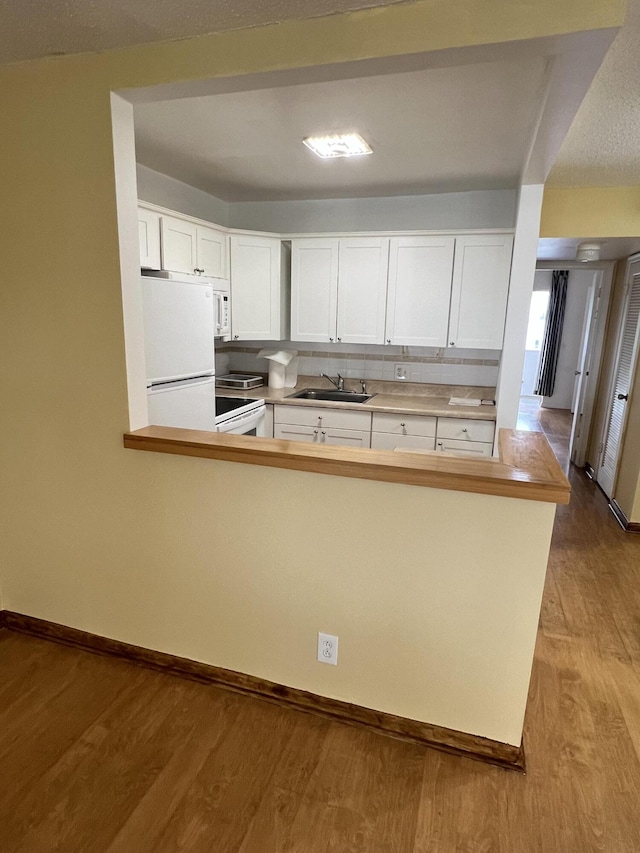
{"x":595,"y":348}
{"x":603,"y":423}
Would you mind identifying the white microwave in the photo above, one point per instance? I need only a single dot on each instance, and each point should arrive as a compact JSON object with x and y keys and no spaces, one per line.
{"x":222,"y":326}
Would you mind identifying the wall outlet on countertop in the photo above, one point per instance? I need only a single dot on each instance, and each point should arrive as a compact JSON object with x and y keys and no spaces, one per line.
{"x":400,"y":371}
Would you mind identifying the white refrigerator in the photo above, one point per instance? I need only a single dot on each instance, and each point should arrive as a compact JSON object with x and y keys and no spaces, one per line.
{"x":179,"y":324}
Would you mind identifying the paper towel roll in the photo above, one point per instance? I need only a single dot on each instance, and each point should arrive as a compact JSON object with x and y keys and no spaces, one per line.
{"x":278,"y":360}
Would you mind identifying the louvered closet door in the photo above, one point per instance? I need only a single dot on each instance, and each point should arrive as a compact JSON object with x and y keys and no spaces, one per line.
{"x":627,"y":358}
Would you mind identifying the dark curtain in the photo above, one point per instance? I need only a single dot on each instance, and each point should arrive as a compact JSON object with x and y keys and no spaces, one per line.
{"x":550,"y":349}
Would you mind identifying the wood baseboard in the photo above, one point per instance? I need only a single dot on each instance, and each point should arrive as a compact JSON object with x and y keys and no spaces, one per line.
{"x":447,"y":740}
{"x":621,"y":518}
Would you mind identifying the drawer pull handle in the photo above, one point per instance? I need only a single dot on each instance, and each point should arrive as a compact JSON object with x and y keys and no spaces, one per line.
{"x":464,"y":429}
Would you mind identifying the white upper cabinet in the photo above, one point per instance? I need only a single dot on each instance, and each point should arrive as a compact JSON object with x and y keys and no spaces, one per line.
{"x":256,"y":289}
{"x":338,"y":289}
{"x":179,"y":245}
{"x":212,"y":252}
{"x":191,"y":248}
{"x":362,"y":289}
{"x":479,"y":293}
{"x":419,"y":291}
{"x":314,"y":290}
{"x":149,"y":239}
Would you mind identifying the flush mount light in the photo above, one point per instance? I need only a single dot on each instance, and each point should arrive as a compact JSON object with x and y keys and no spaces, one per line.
{"x":338,"y":145}
{"x":588,"y":252}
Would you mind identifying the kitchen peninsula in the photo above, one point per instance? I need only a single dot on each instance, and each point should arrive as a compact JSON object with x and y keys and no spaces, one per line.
{"x":435,"y":595}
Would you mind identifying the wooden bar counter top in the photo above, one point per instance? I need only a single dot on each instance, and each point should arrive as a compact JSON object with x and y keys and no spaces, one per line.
{"x":526,"y":467}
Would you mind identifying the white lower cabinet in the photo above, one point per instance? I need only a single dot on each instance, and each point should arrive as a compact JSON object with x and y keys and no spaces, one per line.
{"x":389,"y":431}
{"x":323,"y":425}
{"x":383,"y":430}
{"x":464,"y":448}
{"x":465,"y":436}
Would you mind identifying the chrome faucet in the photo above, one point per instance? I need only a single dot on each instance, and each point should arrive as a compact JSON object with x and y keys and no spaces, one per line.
{"x":339,"y":385}
{"x":364,"y":386}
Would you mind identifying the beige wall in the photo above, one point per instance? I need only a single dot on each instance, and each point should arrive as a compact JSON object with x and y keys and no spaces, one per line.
{"x":209,"y":560}
{"x":591,"y":212}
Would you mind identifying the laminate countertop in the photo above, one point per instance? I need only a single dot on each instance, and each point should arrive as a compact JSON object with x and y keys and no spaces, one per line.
{"x":413,"y":399}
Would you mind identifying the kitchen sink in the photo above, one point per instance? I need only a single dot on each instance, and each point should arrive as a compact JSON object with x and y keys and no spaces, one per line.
{"x":330,"y":396}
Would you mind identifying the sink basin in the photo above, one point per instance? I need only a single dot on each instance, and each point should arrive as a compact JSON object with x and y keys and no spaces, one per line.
{"x":330,"y":396}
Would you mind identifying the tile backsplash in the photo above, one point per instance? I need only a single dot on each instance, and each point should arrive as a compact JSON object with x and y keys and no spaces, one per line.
{"x":422,"y":364}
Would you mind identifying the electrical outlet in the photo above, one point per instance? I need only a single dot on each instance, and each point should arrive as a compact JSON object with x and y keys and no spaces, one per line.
{"x":327,"y":648}
{"x":401,"y":371}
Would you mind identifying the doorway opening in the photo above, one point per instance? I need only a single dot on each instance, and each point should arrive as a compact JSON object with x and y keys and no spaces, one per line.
{"x":565,"y":414}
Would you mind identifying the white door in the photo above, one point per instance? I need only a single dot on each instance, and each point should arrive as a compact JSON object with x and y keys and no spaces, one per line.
{"x":419,"y":291}
{"x":479,"y":292}
{"x":179,"y":245}
{"x":149,"y":239}
{"x":314,"y":290}
{"x":626,"y":362}
{"x":178,"y":329}
{"x":255,"y":288}
{"x":363,"y":263}
{"x":190,"y":404}
{"x":212,"y":255}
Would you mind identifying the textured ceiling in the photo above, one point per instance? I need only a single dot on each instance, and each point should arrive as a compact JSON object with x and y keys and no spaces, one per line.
{"x":35,"y":28}
{"x":602,"y":147}
{"x":565,"y":248}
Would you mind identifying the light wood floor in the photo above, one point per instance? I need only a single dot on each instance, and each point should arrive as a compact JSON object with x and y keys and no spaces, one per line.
{"x":99,"y":755}
{"x":554,"y":423}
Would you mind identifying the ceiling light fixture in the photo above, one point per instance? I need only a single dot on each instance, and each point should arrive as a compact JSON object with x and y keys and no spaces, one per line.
{"x":588,"y":252}
{"x":338,"y":145}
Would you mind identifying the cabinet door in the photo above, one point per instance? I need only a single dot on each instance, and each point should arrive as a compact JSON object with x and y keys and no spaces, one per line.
{"x":419,"y":291}
{"x":212,"y":254}
{"x":363,"y":264}
{"x":314,"y":289}
{"x":255,"y":288}
{"x":479,"y":293}
{"x":178,"y":245}
{"x":149,"y":239}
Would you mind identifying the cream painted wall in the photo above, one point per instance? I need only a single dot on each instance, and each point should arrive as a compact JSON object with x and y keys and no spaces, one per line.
{"x":591,"y":212}
{"x":145,"y":548}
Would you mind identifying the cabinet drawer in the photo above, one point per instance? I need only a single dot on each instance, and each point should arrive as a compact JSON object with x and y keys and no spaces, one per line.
{"x":315,"y":435}
{"x":327,"y":418}
{"x":391,"y":441}
{"x":346,"y":437}
{"x":465,"y":429}
{"x":464,"y":448}
{"x":296,"y":433}
{"x":403,"y":424}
